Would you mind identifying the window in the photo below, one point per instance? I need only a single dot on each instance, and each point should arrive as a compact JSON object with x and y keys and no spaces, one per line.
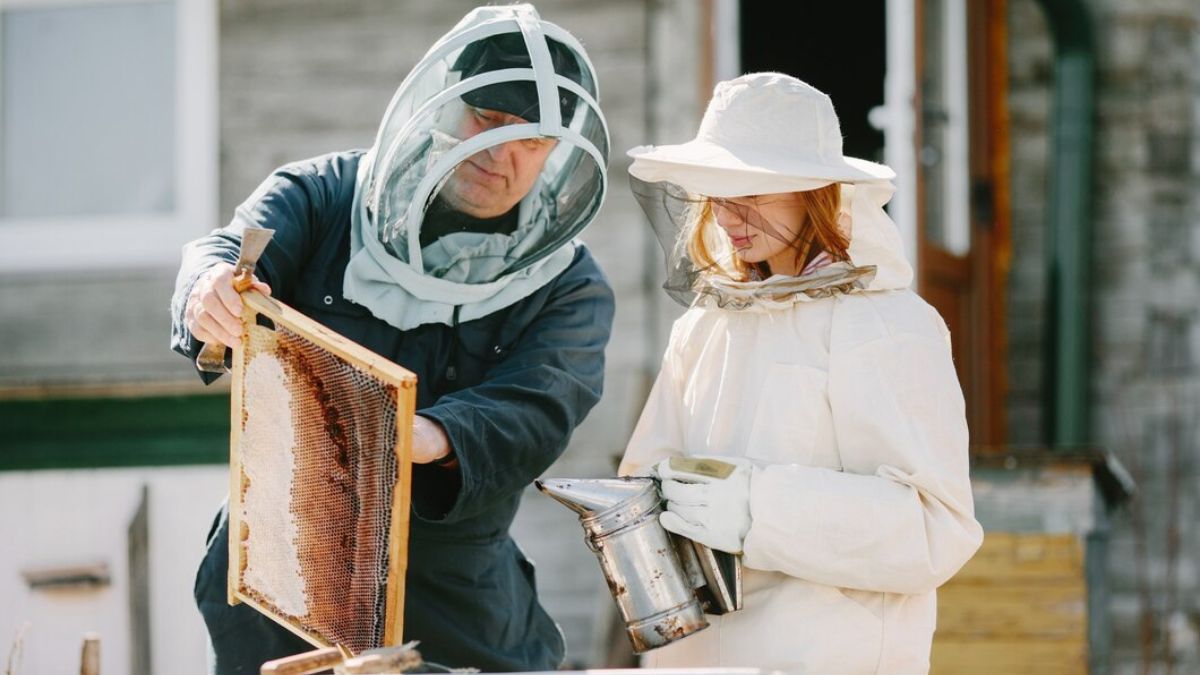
{"x":107,"y":131}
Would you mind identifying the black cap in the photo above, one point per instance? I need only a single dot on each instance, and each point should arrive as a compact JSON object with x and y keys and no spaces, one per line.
{"x":519,"y":98}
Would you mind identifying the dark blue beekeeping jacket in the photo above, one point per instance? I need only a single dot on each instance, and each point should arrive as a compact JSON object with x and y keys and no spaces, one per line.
{"x":525,"y":378}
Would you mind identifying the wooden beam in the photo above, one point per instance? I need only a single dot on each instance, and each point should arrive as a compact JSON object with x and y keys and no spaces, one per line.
{"x":1005,"y":657}
{"x":1005,"y":558}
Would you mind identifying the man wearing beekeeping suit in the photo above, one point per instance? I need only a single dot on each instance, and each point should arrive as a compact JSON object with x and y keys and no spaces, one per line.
{"x":449,"y":248}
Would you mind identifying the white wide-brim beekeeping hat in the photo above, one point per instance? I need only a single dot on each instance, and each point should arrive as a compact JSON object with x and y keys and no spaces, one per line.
{"x":762,"y":133}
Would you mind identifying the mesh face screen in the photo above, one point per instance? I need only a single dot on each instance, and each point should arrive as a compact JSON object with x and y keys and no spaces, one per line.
{"x":318,"y":470}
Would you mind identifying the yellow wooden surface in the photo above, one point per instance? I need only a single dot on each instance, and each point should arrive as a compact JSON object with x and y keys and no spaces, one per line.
{"x":1019,"y":606}
{"x":393,"y":632}
{"x":1005,"y":557}
{"x":313,"y":331}
{"x":1020,"y":610}
{"x":236,"y":477}
{"x":1008,"y":657}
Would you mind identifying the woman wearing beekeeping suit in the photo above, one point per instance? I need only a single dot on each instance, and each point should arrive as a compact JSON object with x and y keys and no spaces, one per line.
{"x":806,"y":362}
{"x":448,"y":247}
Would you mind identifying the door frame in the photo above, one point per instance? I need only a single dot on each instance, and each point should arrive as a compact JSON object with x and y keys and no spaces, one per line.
{"x":978,"y":275}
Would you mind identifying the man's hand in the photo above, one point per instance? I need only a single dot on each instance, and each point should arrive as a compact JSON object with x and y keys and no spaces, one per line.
{"x":214,"y":309}
{"x":430,"y":442}
{"x":708,"y":499}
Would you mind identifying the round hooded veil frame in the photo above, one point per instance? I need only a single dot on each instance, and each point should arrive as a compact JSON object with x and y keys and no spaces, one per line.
{"x":496,"y":57}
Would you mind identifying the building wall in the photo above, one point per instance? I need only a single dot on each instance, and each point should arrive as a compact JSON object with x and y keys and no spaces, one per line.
{"x":85,"y":279}
{"x":1030,"y":73}
{"x":1145,"y":335}
{"x":88,"y":327}
{"x":65,"y":518}
{"x":299,"y":78}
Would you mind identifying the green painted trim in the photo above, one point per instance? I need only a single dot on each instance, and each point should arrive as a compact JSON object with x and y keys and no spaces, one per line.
{"x":108,"y":432}
{"x":1069,"y":235}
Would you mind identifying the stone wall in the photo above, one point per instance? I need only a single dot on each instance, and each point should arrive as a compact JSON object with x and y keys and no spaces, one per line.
{"x":1145,"y":335}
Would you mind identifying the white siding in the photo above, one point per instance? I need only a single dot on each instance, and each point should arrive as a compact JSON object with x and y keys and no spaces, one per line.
{"x":55,"y":518}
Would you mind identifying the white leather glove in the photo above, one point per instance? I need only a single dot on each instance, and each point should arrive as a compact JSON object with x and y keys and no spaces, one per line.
{"x":708,"y":499}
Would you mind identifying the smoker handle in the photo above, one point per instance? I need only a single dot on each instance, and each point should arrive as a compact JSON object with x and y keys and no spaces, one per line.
{"x":303,"y":664}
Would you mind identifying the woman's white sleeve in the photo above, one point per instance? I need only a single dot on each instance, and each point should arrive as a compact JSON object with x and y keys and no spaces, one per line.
{"x":899,"y":517}
{"x":659,"y":431}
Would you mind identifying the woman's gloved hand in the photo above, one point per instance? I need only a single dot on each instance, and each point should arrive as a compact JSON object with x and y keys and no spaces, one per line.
{"x":708,"y":499}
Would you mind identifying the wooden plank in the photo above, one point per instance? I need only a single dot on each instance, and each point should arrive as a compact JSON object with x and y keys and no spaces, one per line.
{"x":378,"y":366}
{"x":398,"y":530}
{"x":1005,"y":657}
{"x":311,"y":638}
{"x":318,"y":660}
{"x":1005,"y":557}
{"x":991,"y":239}
{"x":237,"y":377}
{"x":139,"y":586}
{"x":1019,"y":606}
{"x":1017,"y":610}
{"x":136,"y":389}
{"x":89,"y":660}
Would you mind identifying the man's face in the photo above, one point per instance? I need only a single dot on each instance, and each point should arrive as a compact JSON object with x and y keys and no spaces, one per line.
{"x":492,"y":181}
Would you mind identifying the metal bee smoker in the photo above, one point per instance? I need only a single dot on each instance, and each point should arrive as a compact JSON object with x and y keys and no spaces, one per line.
{"x":661,"y":586}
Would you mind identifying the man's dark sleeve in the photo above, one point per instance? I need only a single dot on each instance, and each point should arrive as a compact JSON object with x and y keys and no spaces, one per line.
{"x":291,"y":202}
{"x":508,"y":429}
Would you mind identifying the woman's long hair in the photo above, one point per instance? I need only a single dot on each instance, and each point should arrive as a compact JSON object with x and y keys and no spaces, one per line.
{"x":820,"y":233}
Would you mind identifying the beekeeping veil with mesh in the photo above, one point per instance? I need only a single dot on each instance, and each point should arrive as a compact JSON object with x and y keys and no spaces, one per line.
{"x":688,"y":223}
{"x":766,"y":138}
{"x":489,"y":161}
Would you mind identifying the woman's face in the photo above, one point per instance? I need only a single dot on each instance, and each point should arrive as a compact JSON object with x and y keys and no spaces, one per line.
{"x":763,"y":228}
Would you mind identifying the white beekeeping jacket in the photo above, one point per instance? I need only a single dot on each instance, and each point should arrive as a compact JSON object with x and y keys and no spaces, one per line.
{"x":849,"y":407}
